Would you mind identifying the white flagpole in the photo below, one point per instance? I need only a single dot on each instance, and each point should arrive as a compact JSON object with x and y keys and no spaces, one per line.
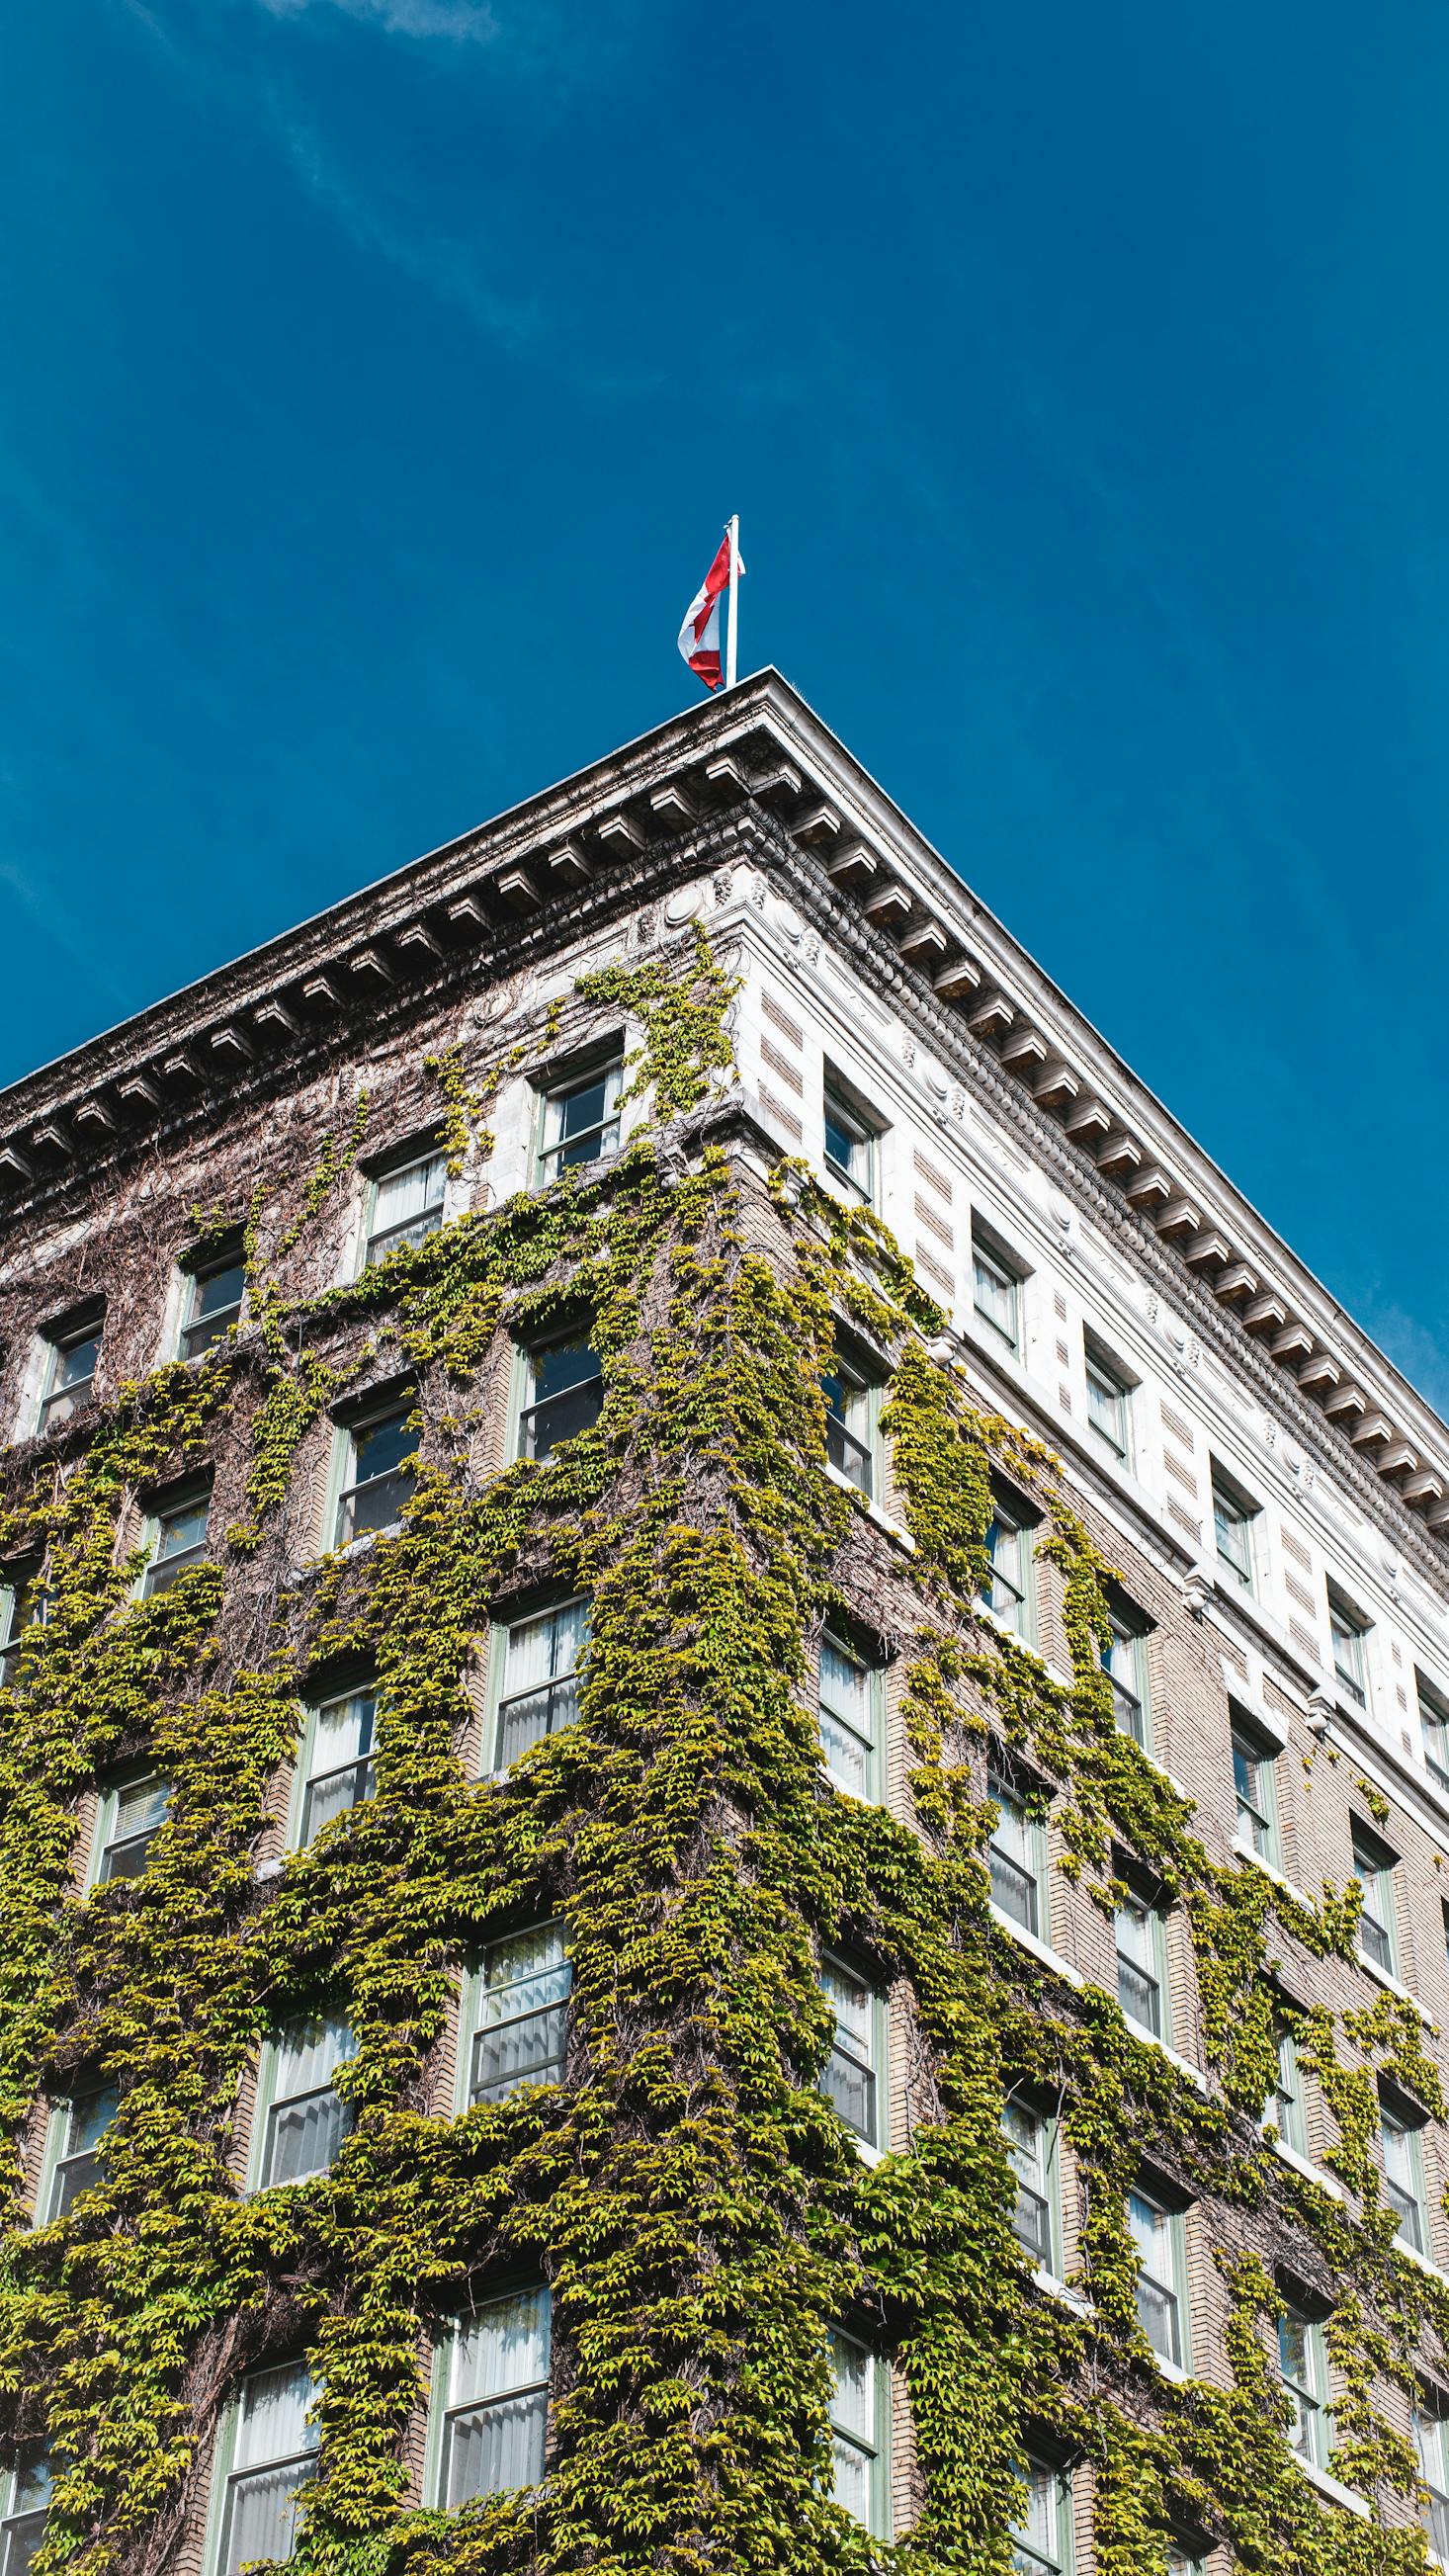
{"x":732,"y":629}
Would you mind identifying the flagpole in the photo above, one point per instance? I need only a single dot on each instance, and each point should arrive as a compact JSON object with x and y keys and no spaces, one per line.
{"x":731,"y":630}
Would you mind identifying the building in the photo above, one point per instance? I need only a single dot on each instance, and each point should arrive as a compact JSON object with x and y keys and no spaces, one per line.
{"x":724,"y":1754}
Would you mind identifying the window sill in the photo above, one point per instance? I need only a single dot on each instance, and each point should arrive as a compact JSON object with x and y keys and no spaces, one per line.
{"x":1308,"y":2171}
{"x":1334,"y":2489}
{"x":1279,"y":1878}
{"x":1421,"y":2262}
{"x":1041,"y":1950}
{"x":893,"y":1529}
{"x":1184,"y":2065}
{"x":1052,"y":2288}
{"x":1392,"y":1985}
{"x":1170,"y":2370}
{"x":868,"y":2154}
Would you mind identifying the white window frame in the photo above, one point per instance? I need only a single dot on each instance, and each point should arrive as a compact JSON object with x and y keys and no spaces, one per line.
{"x":866,"y":2439}
{"x":832,"y":1716}
{"x":108,"y":1805}
{"x":60,"y":2152}
{"x":1376,"y":1869}
{"x":16,"y":2511}
{"x":443,"y":2407}
{"x":23,"y":1604}
{"x":196,"y":1270}
{"x":1349,"y":1633}
{"x":1431,"y":2441}
{"x":1145,"y":1909}
{"x":1016,"y":1855}
{"x":306,"y":1777}
{"x":1234,"y":1514}
{"x":333,"y":2026}
{"x":57,"y":1343}
{"x":344,"y":1484}
{"x":164,"y":1565}
{"x":1032,"y":2142}
{"x":1053,"y":2487}
{"x":995,"y":1271}
{"x":479,"y":1982}
{"x":847,"y":2054}
{"x":1285,"y":2108}
{"x":1159,"y":2234}
{"x":1011,"y":1570}
{"x":525,"y":1399}
{"x":551,"y":1098}
{"x":1255,"y":1789}
{"x":1401,"y":2144}
{"x":225,"y":2474}
{"x":420,"y":1156}
{"x":840,"y":1112}
{"x":1310,"y":2396}
{"x":1125,"y":1664}
{"x":561,"y":1711}
{"x":853,"y":1426}
{"x":1113,"y":1389}
{"x":1434,"y":1728}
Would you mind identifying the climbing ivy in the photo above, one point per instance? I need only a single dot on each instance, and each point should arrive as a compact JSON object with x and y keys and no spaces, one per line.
{"x":691,"y":2196}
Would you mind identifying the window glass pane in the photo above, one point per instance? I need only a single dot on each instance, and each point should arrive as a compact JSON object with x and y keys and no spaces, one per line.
{"x":846,"y":1714}
{"x":407,"y":1205}
{"x":180,"y":1541}
{"x":82,"y":2125}
{"x":847,"y":1144}
{"x":69,"y":1371}
{"x":994,"y":1293}
{"x":1153,"y":2235}
{"x":847,"y":1427}
{"x":1434,"y":1718}
{"x":378,"y":1484}
{"x":213,"y":1301}
{"x":1253,"y":1792}
{"x":1139,"y":1988}
{"x":852,"y":2427}
{"x":493,"y":2436}
{"x":1026,"y":2150}
{"x":581,"y":1122}
{"x":307,"y":2120}
{"x":1037,"y":2531}
{"x":849,"y":2078}
{"x":522,"y":1998}
{"x":23,"y":2526}
{"x":1006,"y":1552}
{"x":1107,"y":1407}
{"x":273,"y":2460}
{"x":1431,"y":2440}
{"x":1375,"y":1922}
{"x":341,"y":1770}
{"x":1348,"y":1651}
{"x":1233,"y":1530}
{"x":540,"y":1679}
{"x":1122,"y":1662}
{"x":567,"y":1396}
{"x":1013,"y":1857}
{"x":138,"y":1812}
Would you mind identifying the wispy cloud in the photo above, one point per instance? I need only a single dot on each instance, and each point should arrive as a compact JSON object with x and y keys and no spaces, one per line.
{"x":466,"y":22}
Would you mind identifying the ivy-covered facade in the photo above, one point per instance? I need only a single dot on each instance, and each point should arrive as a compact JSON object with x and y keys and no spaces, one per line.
{"x":720,"y":1837}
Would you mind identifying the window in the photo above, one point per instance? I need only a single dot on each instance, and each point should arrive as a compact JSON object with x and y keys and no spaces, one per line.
{"x":211,"y":1301}
{"x":538,"y":1689}
{"x":301,"y":2117}
{"x":1404,"y":2173}
{"x":565,"y":1394}
{"x":850,"y":2078}
{"x":849,"y":1425}
{"x":1016,"y":1857}
{"x":849,"y":1144}
{"x":25,"y":2498}
{"x":1373,"y":1867}
{"x":849,"y":1718}
{"x":129,"y":1818}
{"x":266,"y":2459}
{"x":1184,"y":2562}
{"x":1254,"y":1789}
{"x":338,"y":1769}
{"x":176,"y":1538}
{"x":377,"y":1458}
{"x":1124,"y":1662}
{"x":1431,"y":2441}
{"x":492,"y":2375}
{"x":404,"y":1204}
{"x":1303,"y":2369}
{"x":1233,"y":1518}
{"x":1031,"y":2152}
{"x":1283,"y":2109}
{"x":1142,"y":1964}
{"x":76,"y":2130}
{"x":1007,"y":1590}
{"x":517,"y":2011}
{"x":857,"y":2450}
{"x":1156,"y":2233}
{"x":996,"y":1288}
{"x":23,"y":1603}
{"x":1349,"y":1633}
{"x":1434,"y":1719}
{"x":70,"y":1368}
{"x":580,"y":1121}
{"x":1109,"y":1403}
{"x":1042,"y":2530}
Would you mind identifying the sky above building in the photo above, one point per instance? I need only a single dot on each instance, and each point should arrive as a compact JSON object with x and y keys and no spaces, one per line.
{"x":379,"y":373}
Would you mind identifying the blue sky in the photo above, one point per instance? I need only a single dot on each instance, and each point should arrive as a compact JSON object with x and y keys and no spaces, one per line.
{"x":379,"y":373}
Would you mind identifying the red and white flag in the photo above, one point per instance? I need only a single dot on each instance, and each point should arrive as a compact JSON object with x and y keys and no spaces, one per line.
{"x":699,"y":635}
